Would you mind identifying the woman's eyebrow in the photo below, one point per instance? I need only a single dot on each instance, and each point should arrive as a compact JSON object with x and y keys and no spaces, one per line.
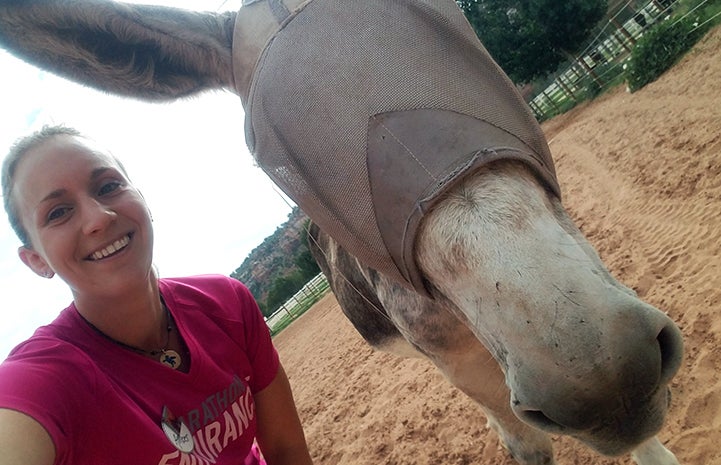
{"x":53,"y":195}
{"x":97,"y":172}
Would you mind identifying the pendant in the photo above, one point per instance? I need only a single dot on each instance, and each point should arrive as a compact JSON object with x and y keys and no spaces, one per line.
{"x":170,"y":358}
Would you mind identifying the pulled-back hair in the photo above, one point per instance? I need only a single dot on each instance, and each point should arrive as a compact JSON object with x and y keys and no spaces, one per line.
{"x":17,"y":151}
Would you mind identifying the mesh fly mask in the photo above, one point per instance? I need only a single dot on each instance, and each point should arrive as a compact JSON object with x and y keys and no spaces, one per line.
{"x":365,"y":112}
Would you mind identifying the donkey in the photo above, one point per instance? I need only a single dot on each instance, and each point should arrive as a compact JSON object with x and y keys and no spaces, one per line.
{"x":437,"y":212}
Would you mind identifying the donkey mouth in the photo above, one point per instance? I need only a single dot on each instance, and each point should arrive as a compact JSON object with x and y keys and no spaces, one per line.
{"x":624,"y":432}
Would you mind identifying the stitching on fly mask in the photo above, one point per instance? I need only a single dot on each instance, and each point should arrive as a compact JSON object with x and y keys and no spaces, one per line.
{"x":365,"y":112}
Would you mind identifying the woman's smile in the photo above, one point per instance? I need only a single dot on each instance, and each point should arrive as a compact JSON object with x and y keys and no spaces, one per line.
{"x":110,"y":249}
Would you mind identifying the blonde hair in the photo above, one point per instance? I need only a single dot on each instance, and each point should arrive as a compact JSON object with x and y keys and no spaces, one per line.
{"x":16,"y":153}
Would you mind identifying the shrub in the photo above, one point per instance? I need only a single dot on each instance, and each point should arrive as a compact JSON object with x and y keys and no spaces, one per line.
{"x":660,"y":48}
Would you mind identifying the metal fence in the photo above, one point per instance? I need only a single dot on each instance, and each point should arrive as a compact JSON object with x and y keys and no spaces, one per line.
{"x":299,"y":303}
{"x":600,"y":64}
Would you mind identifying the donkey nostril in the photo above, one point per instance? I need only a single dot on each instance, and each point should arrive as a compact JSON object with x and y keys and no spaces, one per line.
{"x":539,"y":420}
{"x":671,"y":346}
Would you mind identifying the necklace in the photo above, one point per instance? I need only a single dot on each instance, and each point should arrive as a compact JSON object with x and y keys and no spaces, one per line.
{"x":164,"y":355}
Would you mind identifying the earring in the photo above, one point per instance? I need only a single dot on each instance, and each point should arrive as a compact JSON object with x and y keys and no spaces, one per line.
{"x":48,"y":274}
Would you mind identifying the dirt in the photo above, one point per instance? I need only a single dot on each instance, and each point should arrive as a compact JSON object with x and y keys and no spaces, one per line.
{"x":641,"y":175}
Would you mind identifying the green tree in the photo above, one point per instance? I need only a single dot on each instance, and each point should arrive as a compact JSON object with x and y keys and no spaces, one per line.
{"x":281,"y":290}
{"x":530,"y":38}
{"x":304,"y":260}
{"x":306,"y":263}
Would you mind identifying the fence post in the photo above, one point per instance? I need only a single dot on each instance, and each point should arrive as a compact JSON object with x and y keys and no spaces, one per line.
{"x":661,"y":8}
{"x":537,"y":109}
{"x":625,"y":33}
{"x":590,"y":71}
{"x":553,"y":104}
{"x":575,"y":71}
{"x":608,"y":49}
{"x":565,"y":88}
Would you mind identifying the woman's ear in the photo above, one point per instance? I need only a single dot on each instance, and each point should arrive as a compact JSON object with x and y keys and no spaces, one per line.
{"x":35,"y":262}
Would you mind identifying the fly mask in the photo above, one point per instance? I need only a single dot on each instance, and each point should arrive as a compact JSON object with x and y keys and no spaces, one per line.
{"x":364,"y":112}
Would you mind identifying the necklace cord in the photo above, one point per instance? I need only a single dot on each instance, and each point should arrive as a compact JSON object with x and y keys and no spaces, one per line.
{"x":168,"y":356}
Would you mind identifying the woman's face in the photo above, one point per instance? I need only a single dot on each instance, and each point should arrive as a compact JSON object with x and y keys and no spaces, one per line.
{"x":84,"y":219}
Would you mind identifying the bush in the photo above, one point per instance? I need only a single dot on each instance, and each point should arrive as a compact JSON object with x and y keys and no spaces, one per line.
{"x":660,"y":48}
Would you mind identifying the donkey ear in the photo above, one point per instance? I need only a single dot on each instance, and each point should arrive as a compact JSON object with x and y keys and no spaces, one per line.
{"x":146,"y":52}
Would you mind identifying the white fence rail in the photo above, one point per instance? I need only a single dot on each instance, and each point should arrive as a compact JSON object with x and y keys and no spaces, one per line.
{"x":602,"y":60}
{"x":296,"y":305}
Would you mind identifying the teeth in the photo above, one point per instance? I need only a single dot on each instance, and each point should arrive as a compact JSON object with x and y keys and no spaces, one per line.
{"x":111,"y":249}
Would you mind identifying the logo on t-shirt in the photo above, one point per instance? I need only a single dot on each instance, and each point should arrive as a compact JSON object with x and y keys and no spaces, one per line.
{"x":224,"y":420}
{"x":177,"y":432}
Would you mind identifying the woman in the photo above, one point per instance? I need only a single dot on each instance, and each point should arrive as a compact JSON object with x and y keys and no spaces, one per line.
{"x":137,"y":370}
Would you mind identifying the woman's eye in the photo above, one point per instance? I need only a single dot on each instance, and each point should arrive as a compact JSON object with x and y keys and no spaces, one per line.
{"x":109,"y":187}
{"x":58,"y":213}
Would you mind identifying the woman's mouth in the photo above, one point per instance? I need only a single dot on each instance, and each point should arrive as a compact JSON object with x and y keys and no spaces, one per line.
{"x":111,"y":249}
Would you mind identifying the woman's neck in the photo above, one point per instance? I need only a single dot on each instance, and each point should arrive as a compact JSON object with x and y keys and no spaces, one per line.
{"x":135,"y":318}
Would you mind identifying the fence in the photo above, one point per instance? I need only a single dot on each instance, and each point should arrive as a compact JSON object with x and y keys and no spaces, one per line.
{"x":298,"y":304}
{"x":600,"y":64}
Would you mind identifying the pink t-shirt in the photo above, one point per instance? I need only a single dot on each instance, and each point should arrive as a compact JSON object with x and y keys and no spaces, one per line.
{"x":104,"y":404}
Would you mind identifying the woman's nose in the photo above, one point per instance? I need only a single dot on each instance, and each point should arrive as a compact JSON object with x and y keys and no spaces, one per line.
{"x":96,"y":216}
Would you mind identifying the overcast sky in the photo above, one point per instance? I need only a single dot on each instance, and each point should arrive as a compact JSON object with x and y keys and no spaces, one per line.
{"x":211,"y":205}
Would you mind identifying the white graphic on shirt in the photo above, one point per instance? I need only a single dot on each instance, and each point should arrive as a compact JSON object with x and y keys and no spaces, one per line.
{"x":177,"y":432}
{"x":203,"y":433}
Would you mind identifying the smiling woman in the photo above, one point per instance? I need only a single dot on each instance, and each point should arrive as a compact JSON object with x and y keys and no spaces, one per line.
{"x":200,"y":155}
{"x":65,"y":192}
{"x":131,"y":347}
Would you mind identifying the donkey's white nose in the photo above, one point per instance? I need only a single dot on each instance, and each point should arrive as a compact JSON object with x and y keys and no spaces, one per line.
{"x":620,"y":387}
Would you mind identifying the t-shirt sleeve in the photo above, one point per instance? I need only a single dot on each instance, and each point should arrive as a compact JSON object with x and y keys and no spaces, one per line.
{"x":37,"y":380}
{"x":260,"y":350}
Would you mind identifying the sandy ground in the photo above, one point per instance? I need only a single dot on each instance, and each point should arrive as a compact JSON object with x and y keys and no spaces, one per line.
{"x":641,"y":175}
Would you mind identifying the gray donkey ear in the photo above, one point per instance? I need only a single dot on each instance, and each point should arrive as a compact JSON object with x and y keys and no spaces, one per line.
{"x":147,"y":52}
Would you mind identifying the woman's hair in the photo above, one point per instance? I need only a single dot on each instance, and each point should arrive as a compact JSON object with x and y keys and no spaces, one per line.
{"x":17,"y":151}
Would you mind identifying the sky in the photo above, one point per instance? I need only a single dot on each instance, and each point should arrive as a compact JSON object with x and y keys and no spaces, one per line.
{"x":211,"y":204}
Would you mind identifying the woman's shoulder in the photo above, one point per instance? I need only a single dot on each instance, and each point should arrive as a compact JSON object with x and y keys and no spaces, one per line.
{"x":203,"y":283}
{"x":51,"y":352}
{"x":221,"y":299}
{"x":48,"y":352}
{"x":46,"y":375}
{"x":206,"y":289}
{"x":51,"y":380}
